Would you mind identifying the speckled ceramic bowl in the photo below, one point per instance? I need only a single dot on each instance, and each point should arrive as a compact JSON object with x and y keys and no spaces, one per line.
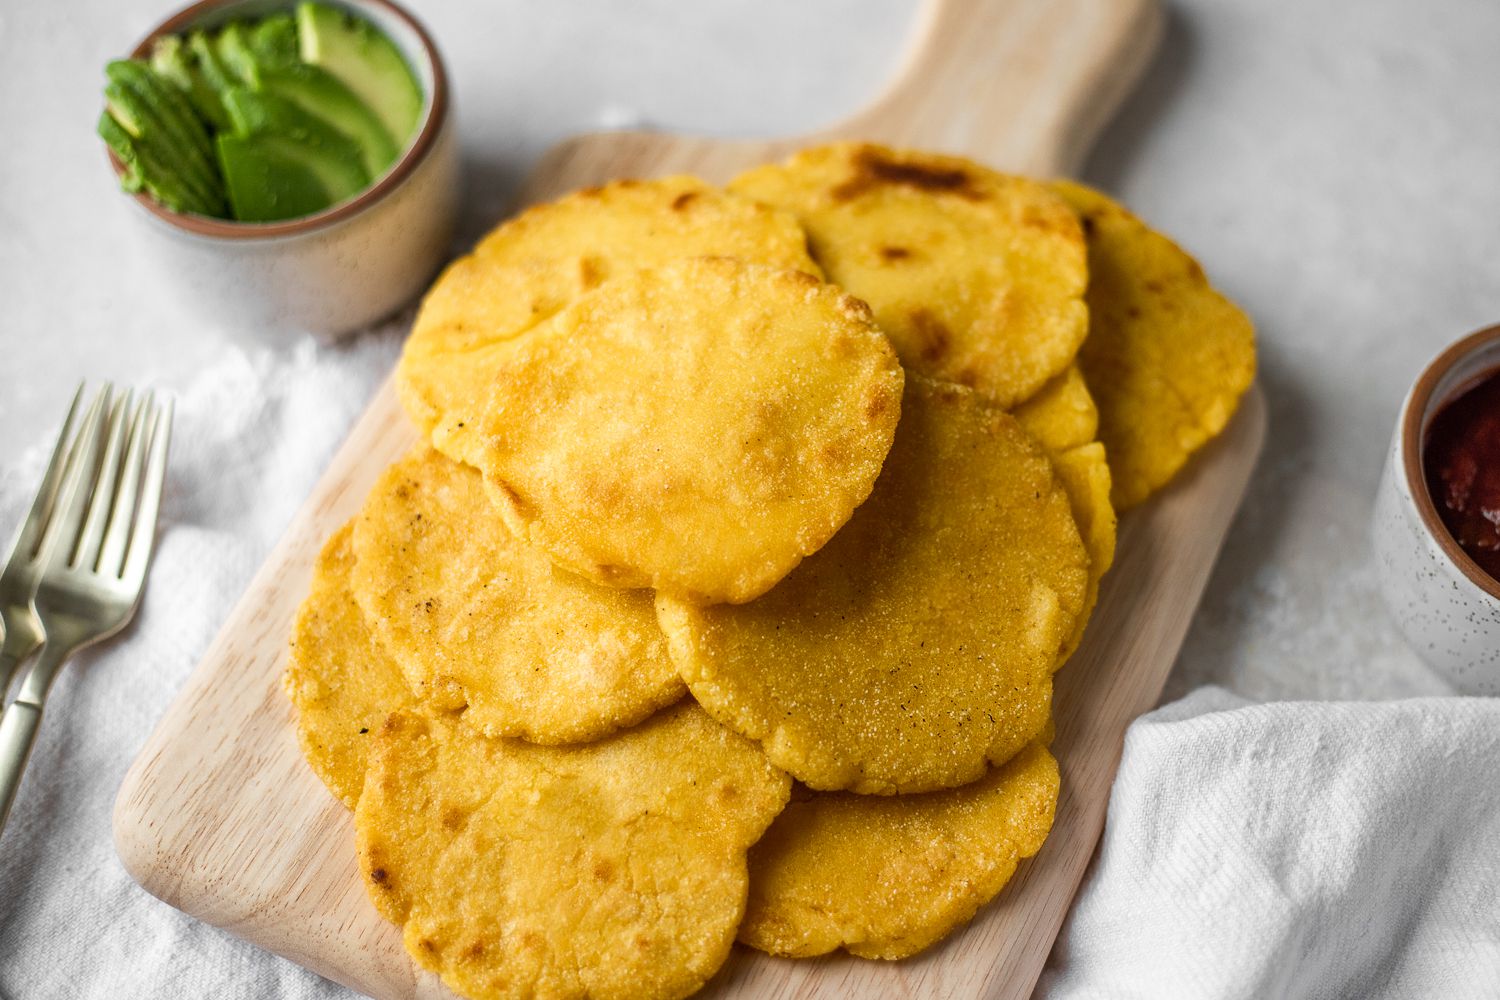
{"x":344,"y":267}
{"x":1448,"y":608}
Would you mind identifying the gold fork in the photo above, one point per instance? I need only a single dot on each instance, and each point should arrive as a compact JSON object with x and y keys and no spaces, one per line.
{"x":93,"y":555}
{"x":23,"y":636}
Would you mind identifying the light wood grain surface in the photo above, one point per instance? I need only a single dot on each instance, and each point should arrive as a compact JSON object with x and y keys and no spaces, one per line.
{"x":220,"y":816}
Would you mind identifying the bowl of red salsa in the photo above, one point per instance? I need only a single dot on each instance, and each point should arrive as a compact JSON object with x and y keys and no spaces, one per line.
{"x":1461,"y":459}
{"x":1437,"y":515}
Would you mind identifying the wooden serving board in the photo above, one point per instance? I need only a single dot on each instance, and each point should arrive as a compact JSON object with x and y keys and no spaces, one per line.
{"x":220,"y":816}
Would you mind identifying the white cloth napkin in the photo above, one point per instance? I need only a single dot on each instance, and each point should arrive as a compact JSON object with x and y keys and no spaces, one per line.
{"x":1314,"y":850}
{"x":250,"y":438}
{"x":1300,"y":850}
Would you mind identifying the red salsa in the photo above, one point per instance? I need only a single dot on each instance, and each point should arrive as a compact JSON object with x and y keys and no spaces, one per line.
{"x":1462,"y":462}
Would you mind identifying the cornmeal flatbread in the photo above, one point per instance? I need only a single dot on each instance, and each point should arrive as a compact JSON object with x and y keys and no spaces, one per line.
{"x":885,"y":877}
{"x":1063,"y":419}
{"x":342,"y":682}
{"x":698,"y":428}
{"x":978,"y":277}
{"x":917,"y":647}
{"x":634,"y":223}
{"x":609,"y":870}
{"x":1084,"y":474}
{"x":533,"y":265}
{"x":1167,"y":357}
{"x":1062,"y":415}
{"x":484,"y":624}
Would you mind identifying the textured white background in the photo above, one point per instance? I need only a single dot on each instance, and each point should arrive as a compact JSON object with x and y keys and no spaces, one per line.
{"x":1335,"y":164}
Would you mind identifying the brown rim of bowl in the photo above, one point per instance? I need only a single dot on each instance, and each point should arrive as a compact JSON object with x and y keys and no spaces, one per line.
{"x":202,"y":225}
{"x":1411,"y":454}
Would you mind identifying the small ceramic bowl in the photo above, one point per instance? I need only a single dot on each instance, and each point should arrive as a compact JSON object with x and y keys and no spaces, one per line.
{"x":344,"y":267}
{"x":1448,"y":608}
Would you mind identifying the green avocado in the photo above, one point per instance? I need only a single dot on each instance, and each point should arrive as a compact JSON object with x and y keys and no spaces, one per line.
{"x":165,"y":131}
{"x":144,"y":172}
{"x":281,"y":161}
{"x":117,"y":139}
{"x":150,"y":98}
{"x":261,"y":119}
{"x":364,"y":60}
{"x":274,"y":42}
{"x":206,"y":59}
{"x":321,"y":94}
{"x":232,"y":43}
{"x":269,"y":178}
{"x":171,"y":59}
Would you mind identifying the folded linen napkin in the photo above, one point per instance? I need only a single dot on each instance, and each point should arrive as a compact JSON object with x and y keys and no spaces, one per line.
{"x":250,"y":438}
{"x":1296,"y":850}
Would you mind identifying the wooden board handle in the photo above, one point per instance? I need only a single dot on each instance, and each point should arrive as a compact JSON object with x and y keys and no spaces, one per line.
{"x":1023,"y":85}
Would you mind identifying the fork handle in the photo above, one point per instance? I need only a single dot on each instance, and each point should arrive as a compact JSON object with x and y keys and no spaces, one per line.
{"x":14,"y":652}
{"x":10,"y":665}
{"x":18,"y":728}
{"x":23,"y":717}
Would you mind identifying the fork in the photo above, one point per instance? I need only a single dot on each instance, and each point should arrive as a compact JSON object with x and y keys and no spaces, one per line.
{"x":22,"y":633}
{"x":94,"y":555}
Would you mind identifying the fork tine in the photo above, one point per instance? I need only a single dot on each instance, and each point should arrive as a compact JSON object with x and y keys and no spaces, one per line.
{"x":29,"y":536}
{"x":61,"y":535}
{"x":144,"y":533}
{"x":127,"y":494}
{"x":105,"y":485}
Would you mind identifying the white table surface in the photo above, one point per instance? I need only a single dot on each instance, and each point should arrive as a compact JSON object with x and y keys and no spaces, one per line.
{"x":1335,"y":165}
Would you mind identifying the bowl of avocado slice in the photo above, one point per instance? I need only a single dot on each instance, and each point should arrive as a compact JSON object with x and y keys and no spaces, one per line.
{"x":293,"y":162}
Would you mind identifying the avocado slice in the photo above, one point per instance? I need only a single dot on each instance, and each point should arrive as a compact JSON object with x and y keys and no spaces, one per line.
{"x":282,"y":161}
{"x":320,"y":93}
{"x":166,"y":134}
{"x":365,"y":61}
{"x":144,"y":172}
{"x":274,"y":42}
{"x":171,"y":59}
{"x":262,"y":119}
{"x":117,"y":139}
{"x":232,"y":43}
{"x":152,"y":99}
{"x":206,"y":56}
{"x":269,"y":178}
